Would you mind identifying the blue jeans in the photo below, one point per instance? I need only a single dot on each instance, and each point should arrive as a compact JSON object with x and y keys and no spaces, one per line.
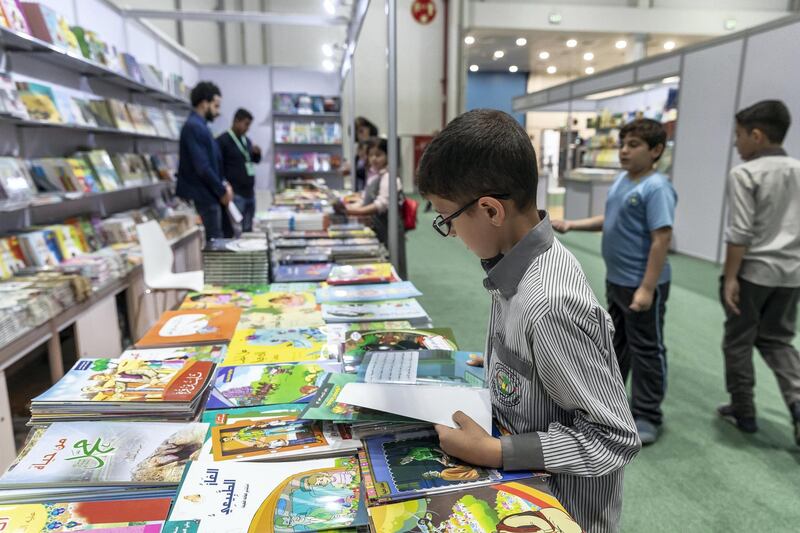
{"x":247,"y":206}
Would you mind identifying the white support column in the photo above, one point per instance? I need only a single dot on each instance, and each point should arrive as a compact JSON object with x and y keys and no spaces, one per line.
{"x":455,"y":69}
{"x":394,"y":237}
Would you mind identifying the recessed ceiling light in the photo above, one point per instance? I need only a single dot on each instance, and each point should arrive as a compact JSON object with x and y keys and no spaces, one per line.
{"x":474,"y":68}
{"x":328,"y":65}
{"x":554,"y":18}
{"x":522,"y":41}
{"x":330,"y":7}
{"x":544,"y":54}
{"x":552,"y":69}
{"x":469,"y":39}
{"x":588,"y":56}
{"x":669,"y":45}
{"x":622,"y":43}
{"x":572,"y":43}
{"x":498,"y":54}
{"x":513,"y":68}
{"x":729,"y":24}
{"x":327,"y":50}
{"x":589,"y":70}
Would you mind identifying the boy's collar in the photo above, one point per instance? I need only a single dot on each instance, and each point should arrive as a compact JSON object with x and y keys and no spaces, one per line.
{"x":504,"y":272}
{"x":768,"y":152}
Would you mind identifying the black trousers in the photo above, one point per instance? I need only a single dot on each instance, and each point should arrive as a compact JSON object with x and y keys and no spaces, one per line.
{"x":767,"y":321}
{"x":639,"y":345}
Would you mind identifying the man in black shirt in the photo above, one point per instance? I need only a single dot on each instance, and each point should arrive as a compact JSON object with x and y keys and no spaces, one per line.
{"x":239,"y":158}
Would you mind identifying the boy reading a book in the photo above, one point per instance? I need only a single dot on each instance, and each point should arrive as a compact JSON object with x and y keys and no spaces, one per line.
{"x":554,"y":379}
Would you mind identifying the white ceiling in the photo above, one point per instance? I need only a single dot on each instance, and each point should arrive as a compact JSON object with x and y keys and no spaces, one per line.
{"x":568,"y":61}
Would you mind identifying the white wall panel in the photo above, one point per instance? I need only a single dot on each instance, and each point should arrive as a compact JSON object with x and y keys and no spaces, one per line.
{"x":703,"y":141}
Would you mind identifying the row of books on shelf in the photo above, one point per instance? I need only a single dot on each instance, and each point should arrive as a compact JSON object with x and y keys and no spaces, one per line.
{"x":304,"y":104}
{"x":85,"y":172}
{"x":46,"y":24}
{"x":252,"y":412}
{"x":308,"y":132}
{"x":307,"y":162}
{"x":39,"y":102}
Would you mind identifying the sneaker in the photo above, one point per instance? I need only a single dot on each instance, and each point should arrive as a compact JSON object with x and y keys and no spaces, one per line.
{"x":648,"y":432}
{"x":746,"y":424}
{"x":795,"y":409}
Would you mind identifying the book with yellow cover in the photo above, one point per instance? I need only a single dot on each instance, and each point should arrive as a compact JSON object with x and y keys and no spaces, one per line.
{"x":40,"y":101}
{"x":191,"y":327}
{"x":255,"y":346}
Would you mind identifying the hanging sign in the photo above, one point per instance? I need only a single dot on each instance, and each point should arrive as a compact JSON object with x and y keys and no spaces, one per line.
{"x":423,"y":11}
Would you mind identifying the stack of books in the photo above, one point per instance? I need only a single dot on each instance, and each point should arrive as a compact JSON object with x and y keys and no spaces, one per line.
{"x":228,"y":261}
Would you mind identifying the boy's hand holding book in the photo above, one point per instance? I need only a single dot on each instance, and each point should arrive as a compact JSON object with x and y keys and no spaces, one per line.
{"x":470,"y":443}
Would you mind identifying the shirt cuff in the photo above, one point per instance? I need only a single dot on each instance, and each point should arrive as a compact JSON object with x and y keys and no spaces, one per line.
{"x":522,"y":452}
{"x":738,"y":237}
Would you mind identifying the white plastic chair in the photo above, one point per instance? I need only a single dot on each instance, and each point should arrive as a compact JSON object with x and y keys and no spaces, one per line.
{"x":157,"y":259}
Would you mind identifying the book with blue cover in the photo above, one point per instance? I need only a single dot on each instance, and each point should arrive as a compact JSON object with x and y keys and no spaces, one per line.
{"x":302,"y":272}
{"x":422,"y":367}
{"x":367,"y":293}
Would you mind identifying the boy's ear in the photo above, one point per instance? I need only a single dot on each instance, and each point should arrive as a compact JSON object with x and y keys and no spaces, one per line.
{"x":494,"y":210}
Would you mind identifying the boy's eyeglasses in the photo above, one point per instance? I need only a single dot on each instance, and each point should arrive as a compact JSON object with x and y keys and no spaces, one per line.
{"x":443,"y":225}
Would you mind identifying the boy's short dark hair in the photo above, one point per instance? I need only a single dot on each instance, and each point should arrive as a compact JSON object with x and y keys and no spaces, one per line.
{"x":363,"y":122}
{"x":242,"y":114}
{"x":649,"y":130}
{"x":481,"y":152}
{"x":770,"y":116}
{"x":378,"y":142}
{"x":204,"y":91}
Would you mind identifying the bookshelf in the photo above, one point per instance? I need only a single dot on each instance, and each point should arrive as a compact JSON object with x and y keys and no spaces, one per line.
{"x":15,"y":42}
{"x":334,"y":177}
{"x":27,"y":123}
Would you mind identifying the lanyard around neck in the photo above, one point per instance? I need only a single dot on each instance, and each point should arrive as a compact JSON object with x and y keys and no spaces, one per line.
{"x":238,"y":143}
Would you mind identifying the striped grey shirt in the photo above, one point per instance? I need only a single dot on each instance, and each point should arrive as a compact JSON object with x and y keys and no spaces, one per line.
{"x":554,"y":379}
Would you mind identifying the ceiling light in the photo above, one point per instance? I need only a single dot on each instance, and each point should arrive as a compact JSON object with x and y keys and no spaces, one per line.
{"x":513,"y":68}
{"x":589,"y":70}
{"x":330,"y":7}
{"x":544,"y":55}
{"x":522,"y":41}
{"x":552,"y":69}
{"x":469,"y":39}
{"x":669,"y":45}
{"x":328,"y":65}
{"x":572,"y":43}
{"x":327,"y":50}
{"x":588,"y":56}
{"x":671,"y":79}
{"x":554,"y":18}
{"x":474,"y":68}
{"x":498,"y":54}
{"x":729,"y":24}
{"x":622,"y":43}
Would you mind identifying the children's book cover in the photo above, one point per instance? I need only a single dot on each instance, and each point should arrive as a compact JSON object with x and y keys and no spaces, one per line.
{"x":192,"y":326}
{"x":255,"y":346}
{"x":409,"y":464}
{"x":255,"y":385}
{"x":323,"y":406}
{"x":407,"y":309}
{"x":106,"y":453}
{"x":264,"y":434}
{"x":358,"y":343}
{"x":286,"y":302}
{"x":278,"y":497}
{"x":422,"y":367}
{"x":227,"y":296}
{"x":310,"y":272}
{"x":273,"y":318}
{"x":364,"y":273}
{"x":513,"y":507}
{"x":368,"y":292}
{"x":209,"y":352}
{"x":130,"y":380}
{"x":66,"y":517}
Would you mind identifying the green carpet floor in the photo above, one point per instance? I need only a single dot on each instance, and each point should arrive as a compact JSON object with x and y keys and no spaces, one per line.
{"x":702,"y":475}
